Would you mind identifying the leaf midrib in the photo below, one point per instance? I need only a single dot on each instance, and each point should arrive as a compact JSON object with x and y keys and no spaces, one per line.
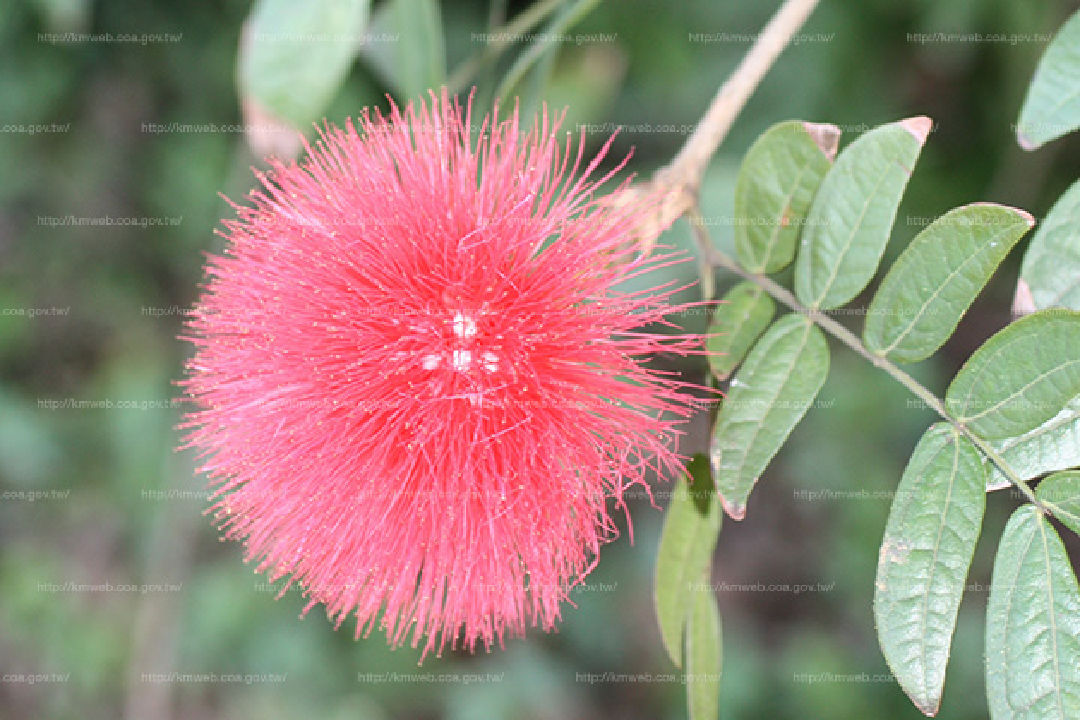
{"x":1010,"y":594}
{"x":1024,"y":388}
{"x":696,"y":532}
{"x":758,"y":426}
{"x":851,"y":237}
{"x":747,"y":312}
{"x":933,"y":560}
{"x":774,"y":236}
{"x":979,"y":253}
{"x":1051,"y":615}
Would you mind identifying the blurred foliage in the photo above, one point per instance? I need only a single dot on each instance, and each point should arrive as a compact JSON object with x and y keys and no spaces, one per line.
{"x":116,"y":506}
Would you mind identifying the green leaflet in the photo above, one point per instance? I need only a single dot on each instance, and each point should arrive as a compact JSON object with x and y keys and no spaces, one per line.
{"x":1052,"y":261}
{"x":704,"y":655}
{"x":1032,"y":625}
{"x":930,"y":537}
{"x":1052,"y":106}
{"x":1062,"y":492}
{"x":776,"y":183}
{"x":745,"y":311}
{"x":294,"y":56}
{"x":691,"y":526}
{"x":1021,"y":377}
{"x":415,"y":62}
{"x":935,"y":280}
{"x":1054,"y":445}
{"x":853,"y":212}
{"x":768,"y":396}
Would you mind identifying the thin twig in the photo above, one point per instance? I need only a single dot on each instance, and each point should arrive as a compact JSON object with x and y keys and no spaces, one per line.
{"x":678,"y":182}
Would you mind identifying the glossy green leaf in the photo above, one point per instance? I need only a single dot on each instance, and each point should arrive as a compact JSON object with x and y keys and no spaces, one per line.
{"x":853,"y":212}
{"x":294,"y":56}
{"x":744,"y":313}
{"x":1021,"y":377}
{"x":414,"y":60}
{"x":1052,"y":261}
{"x":1052,"y":446}
{"x":1061,"y":492}
{"x":930,"y":537}
{"x":776,"y":183}
{"x":768,"y":395}
{"x":1052,"y":106}
{"x":936,"y":278}
{"x":704,"y":656}
{"x":1033,"y":625}
{"x":691,"y":525}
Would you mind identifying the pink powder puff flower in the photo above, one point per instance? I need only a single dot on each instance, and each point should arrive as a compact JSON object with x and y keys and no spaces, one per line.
{"x":417,"y":381}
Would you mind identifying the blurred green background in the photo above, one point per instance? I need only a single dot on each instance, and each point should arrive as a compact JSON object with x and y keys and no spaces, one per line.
{"x":116,"y":599}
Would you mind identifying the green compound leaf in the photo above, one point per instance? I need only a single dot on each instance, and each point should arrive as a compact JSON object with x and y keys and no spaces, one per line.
{"x":294,"y":56}
{"x":935,"y":280}
{"x":1061,"y":492}
{"x":691,"y":526}
{"x":1033,"y":625}
{"x":1052,"y":446}
{"x":1021,"y":377}
{"x":1052,"y":106}
{"x":413,"y":60}
{"x":933,"y":527}
{"x":853,"y":212}
{"x":768,"y":396}
{"x":776,"y":183}
{"x":1052,"y":262}
{"x":745,"y":311}
{"x":704,"y":655}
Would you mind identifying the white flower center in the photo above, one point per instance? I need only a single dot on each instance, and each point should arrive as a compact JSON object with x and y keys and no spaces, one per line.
{"x":463,"y":358}
{"x":464,"y":325}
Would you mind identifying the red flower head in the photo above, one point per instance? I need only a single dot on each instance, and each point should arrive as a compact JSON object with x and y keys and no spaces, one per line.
{"x":418,"y":382}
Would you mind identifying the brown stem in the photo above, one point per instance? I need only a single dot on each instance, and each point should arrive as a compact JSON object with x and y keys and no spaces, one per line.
{"x":679,"y":181}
